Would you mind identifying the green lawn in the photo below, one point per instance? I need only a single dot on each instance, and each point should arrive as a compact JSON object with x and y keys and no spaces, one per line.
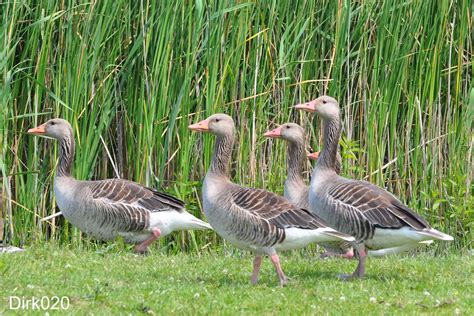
{"x":107,"y":281}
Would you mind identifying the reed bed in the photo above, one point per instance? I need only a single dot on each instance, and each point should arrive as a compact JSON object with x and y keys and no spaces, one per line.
{"x":132,"y":75}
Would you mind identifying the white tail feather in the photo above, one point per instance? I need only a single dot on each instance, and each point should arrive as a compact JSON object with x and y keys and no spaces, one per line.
{"x":334,"y":233}
{"x":202,"y":224}
{"x":195,"y":222}
{"x":436,"y":234}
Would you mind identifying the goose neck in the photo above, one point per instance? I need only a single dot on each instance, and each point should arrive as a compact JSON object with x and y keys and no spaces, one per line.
{"x":332,"y":132}
{"x":295,"y":161}
{"x":221,"y":156}
{"x":66,"y":156}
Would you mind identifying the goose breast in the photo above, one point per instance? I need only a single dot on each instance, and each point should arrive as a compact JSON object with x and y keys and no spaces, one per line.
{"x":297,"y":194}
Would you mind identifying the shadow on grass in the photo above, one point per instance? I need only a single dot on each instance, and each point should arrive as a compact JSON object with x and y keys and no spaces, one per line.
{"x":314,"y":274}
{"x":267,"y":278}
{"x":319,"y":271}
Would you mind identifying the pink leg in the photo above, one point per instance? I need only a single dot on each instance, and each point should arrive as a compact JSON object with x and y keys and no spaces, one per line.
{"x":256,"y":269}
{"x":360,"y":270}
{"x":143,"y":247}
{"x":349,"y":254}
{"x":276,"y":262}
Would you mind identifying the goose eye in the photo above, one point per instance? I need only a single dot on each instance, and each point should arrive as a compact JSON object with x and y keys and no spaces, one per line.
{"x":287,"y":126}
{"x":324,"y":102}
{"x":52,"y":123}
{"x":216,"y":120}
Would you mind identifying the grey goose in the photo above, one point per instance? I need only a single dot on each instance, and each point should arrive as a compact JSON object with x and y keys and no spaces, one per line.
{"x":295,"y":189}
{"x":254,"y":219}
{"x":375,"y":217}
{"x":109,"y":208}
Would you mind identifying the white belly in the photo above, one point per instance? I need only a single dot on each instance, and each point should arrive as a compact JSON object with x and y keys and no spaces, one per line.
{"x":299,"y":238}
{"x":164,"y":221}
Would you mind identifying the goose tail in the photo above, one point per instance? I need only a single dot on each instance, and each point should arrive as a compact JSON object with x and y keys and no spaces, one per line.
{"x":338,"y":235}
{"x":201,"y":225}
{"x":436,"y":234}
{"x":196,"y":223}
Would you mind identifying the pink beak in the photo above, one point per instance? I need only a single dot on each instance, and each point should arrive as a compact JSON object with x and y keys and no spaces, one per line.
{"x":275,"y":133}
{"x":39,"y":130}
{"x":313,"y":156}
{"x":202,"y":126}
{"x":308,"y":106}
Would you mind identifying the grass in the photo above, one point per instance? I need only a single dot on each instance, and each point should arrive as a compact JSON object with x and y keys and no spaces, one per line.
{"x":105,"y":281}
{"x":132,"y":75}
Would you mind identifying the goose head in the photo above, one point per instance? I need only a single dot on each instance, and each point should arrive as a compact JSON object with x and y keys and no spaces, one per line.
{"x":325,"y":106}
{"x":291,"y":132}
{"x":55,"y":128}
{"x":218,"y":124}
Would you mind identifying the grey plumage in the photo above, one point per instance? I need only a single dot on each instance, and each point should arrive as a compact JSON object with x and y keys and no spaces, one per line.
{"x":295,"y":189}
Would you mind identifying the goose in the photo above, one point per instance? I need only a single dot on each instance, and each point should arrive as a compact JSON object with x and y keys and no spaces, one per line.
{"x":109,"y":208}
{"x":254,"y":219}
{"x":295,"y":189}
{"x":375,"y":217}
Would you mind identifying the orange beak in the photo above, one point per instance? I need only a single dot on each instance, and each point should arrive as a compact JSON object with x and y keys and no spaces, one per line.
{"x":276,"y":133}
{"x":39,"y":130}
{"x":202,"y":126}
{"x":308,"y":106}
{"x":313,"y":156}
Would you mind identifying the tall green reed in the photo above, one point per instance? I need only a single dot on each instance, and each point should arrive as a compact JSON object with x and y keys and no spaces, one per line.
{"x":130,"y":77}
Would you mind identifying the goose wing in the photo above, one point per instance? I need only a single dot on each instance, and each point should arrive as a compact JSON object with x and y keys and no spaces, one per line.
{"x":115,"y":191}
{"x":126,"y":205}
{"x":275,"y":209}
{"x":361,"y":207}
